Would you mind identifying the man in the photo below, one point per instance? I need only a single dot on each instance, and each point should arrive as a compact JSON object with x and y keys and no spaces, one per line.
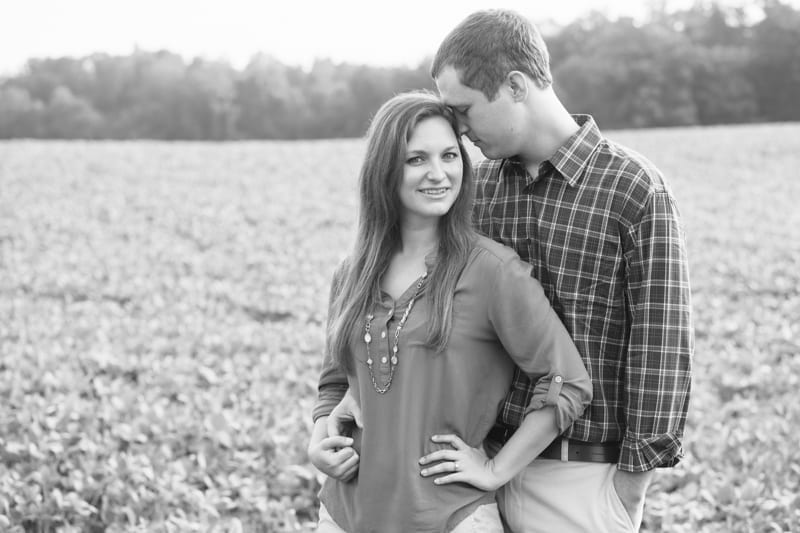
{"x":600,"y":227}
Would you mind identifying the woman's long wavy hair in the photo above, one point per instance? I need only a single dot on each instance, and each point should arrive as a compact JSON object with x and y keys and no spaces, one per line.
{"x":378,"y":234}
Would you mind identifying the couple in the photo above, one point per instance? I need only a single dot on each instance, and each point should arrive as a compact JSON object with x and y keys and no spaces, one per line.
{"x":527,"y":387}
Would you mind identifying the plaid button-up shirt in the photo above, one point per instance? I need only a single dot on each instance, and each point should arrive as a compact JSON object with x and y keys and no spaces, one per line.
{"x":601,"y":229}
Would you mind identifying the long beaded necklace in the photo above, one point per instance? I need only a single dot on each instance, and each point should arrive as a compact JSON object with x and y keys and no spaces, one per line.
{"x":393,"y":360}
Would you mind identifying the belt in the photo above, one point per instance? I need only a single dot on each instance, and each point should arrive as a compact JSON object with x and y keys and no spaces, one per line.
{"x":567,"y":450}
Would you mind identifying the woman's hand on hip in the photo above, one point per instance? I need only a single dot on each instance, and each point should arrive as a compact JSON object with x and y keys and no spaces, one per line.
{"x":460,"y":464}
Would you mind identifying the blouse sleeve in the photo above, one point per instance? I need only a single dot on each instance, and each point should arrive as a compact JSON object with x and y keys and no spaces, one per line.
{"x":538,"y":342}
{"x":332,"y":384}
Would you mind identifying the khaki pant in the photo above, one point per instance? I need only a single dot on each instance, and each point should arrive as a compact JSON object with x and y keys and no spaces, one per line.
{"x":485,"y":519}
{"x":564,"y":496}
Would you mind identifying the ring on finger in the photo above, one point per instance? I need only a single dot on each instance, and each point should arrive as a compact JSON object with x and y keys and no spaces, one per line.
{"x":455,"y":466}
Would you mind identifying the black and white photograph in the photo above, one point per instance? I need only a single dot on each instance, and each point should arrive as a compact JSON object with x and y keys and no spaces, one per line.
{"x":373,"y":267}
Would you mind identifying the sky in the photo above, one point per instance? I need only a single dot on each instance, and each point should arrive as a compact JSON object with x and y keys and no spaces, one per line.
{"x":376,"y":32}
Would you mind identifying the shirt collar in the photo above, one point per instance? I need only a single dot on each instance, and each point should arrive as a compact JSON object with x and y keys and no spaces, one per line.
{"x":570,"y":160}
{"x":514,"y":168}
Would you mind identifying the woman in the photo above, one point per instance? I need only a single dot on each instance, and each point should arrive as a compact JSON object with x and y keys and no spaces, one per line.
{"x":426,"y":322}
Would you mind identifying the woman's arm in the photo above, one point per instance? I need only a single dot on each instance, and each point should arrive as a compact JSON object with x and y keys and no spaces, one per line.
{"x":330,"y":451}
{"x":464,"y":464}
{"x":537,"y":341}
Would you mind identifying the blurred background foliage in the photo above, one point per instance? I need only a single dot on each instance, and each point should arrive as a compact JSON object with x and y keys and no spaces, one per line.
{"x":708,"y":64}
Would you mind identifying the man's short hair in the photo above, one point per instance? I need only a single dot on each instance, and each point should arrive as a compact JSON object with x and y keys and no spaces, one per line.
{"x":489,"y":44}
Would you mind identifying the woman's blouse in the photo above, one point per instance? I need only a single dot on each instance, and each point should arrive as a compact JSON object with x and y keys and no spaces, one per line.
{"x":501,"y":317}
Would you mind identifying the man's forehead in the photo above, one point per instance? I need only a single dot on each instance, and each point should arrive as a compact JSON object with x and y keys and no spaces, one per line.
{"x":451,"y":90}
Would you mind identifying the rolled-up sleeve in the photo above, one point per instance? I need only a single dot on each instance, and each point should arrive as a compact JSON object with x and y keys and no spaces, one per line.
{"x":329,"y":394}
{"x":332,"y":384}
{"x":538,"y":342}
{"x":658,"y":372}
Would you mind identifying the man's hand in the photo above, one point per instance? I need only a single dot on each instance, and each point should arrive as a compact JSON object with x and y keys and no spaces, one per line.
{"x":346,"y":413}
{"x":631,"y":488}
{"x":333,"y":456}
{"x":461,"y":463}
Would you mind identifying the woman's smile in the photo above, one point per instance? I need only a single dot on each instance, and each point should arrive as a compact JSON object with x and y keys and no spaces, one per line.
{"x":435,"y":192}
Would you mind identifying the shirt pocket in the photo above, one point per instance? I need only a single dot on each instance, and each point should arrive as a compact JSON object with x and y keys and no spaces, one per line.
{"x":592,"y":271}
{"x":599,"y":279}
{"x":591,"y":296}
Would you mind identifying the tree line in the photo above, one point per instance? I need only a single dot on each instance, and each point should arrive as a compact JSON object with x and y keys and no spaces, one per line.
{"x":705,"y":65}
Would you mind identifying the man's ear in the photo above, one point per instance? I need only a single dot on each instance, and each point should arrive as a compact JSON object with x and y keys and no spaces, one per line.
{"x":518,"y":85}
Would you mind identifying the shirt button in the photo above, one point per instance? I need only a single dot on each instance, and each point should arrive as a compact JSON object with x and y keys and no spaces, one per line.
{"x":558,"y":379}
{"x":384,"y":359}
{"x":383,"y":334}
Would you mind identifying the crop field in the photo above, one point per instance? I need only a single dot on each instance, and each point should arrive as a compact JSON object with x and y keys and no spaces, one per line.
{"x":162,"y":308}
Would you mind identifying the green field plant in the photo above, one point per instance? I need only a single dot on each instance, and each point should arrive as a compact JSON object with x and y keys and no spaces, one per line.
{"x":162,"y":310}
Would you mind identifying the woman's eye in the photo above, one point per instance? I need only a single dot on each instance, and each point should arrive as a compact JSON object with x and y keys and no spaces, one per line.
{"x":450,"y":156}
{"x":414,"y":160}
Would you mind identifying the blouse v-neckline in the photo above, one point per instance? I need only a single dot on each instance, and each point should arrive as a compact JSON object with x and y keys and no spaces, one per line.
{"x":405,"y":296}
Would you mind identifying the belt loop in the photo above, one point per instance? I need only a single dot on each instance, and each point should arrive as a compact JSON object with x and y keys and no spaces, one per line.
{"x":564,"y":450}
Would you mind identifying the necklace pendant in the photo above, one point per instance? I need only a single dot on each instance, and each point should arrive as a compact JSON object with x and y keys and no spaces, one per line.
{"x":386,"y":384}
